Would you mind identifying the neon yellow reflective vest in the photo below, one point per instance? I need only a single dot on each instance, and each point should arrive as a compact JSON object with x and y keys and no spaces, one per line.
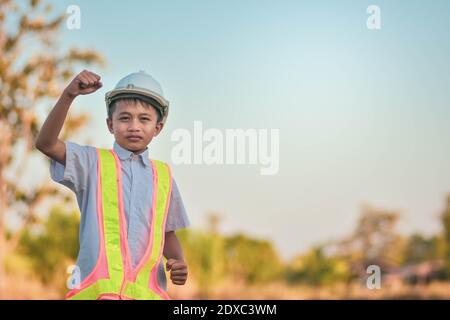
{"x":113,"y":276}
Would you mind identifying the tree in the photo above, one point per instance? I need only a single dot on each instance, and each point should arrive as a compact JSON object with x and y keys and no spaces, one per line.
{"x":54,"y":247}
{"x":445,"y":218}
{"x":213,"y":257}
{"x":254,"y":261}
{"x":421,"y":249}
{"x":204,"y":252}
{"x":375,"y":239}
{"x":29,"y":78}
{"x":316,"y":268}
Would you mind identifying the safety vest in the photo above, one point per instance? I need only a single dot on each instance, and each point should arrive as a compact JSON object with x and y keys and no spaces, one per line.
{"x":113,"y":276}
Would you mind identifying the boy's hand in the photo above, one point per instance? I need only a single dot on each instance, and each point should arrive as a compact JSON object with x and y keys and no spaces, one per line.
{"x":178,"y":271}
{"x":85,"y":82}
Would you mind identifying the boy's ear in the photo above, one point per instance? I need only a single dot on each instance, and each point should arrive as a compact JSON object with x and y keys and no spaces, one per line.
{"x":109,"y":124}
{"x":158,"y":128}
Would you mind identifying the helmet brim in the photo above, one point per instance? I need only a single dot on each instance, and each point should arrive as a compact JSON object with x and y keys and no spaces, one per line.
{"x":155,"y":100}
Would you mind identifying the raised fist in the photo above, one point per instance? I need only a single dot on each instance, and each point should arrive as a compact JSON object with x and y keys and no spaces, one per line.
{"x":85,"y":82}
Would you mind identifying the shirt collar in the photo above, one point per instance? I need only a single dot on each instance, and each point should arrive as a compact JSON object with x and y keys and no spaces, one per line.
{"x":125,"y":154}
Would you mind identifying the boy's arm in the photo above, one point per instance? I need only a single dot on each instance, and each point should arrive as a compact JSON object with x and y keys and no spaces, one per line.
{"x":175,"y":259}
{"x":172,"y":247}
{"x":47,"y":141}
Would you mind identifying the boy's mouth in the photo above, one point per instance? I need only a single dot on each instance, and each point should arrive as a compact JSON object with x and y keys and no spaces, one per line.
{"x":134,"y":138}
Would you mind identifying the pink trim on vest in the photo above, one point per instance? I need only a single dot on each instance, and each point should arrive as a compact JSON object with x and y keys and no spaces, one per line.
{"x":153,"y":276}
{"x":100,"y":270}
{"x":109,"y":296}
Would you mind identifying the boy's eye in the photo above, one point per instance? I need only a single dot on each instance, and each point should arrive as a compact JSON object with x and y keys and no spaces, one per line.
{"x":127,"y":118}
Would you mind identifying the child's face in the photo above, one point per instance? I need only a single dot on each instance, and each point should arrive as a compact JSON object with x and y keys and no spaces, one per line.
{"x":134,"y":125}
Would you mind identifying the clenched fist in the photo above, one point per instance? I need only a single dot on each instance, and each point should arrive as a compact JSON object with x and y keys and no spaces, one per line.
{"x":178,"y":271}
{"x":85,"y":82}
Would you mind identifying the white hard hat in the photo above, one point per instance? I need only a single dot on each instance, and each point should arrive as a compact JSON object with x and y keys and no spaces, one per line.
{"x":140,"y":85}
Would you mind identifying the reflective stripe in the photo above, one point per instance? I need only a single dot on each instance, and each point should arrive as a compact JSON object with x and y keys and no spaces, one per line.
{"x":111,"y":217}
{"x":97,"y":289}
{"x":109,"y":206}
{"x":100,"y":270}
{"x":122,"y":281}
{"x":163,"y":200}
{"x":146,"y":277}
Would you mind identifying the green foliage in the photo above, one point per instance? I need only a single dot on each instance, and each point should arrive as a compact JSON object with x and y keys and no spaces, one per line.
{"x":204,"y":253}
{"x":254,"y":261}
{"x":421,"y":248}
{"x":213,"y":258}
{"x":445,"y":218}
{"x":53,"y":246}
{"x":316,"y":268}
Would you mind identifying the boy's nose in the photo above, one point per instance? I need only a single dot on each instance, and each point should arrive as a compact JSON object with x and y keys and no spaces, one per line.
{"x":134,"y":129}
{"x":134,"y":126}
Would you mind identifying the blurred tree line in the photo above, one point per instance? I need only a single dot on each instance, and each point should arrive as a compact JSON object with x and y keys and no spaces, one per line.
{"x":374,"y":241}
{"x":214,"y":258}
{"x":51,"y":245}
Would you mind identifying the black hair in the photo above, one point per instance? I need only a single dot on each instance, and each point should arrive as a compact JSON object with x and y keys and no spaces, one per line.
{"x":113,"y":105}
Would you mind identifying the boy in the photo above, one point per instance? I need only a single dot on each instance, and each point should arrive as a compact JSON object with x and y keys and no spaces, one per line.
{"x":130,"y":205}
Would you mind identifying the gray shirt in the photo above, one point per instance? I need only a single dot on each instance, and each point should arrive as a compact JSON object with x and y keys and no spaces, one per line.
{"x":137,"y":184}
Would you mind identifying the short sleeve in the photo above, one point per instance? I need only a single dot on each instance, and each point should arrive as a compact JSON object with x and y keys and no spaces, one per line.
{"x":177,"y":217}
{"x":75,"y":174}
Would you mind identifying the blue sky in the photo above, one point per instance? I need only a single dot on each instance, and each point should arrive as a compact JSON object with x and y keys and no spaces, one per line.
{"x":363,"y":115}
